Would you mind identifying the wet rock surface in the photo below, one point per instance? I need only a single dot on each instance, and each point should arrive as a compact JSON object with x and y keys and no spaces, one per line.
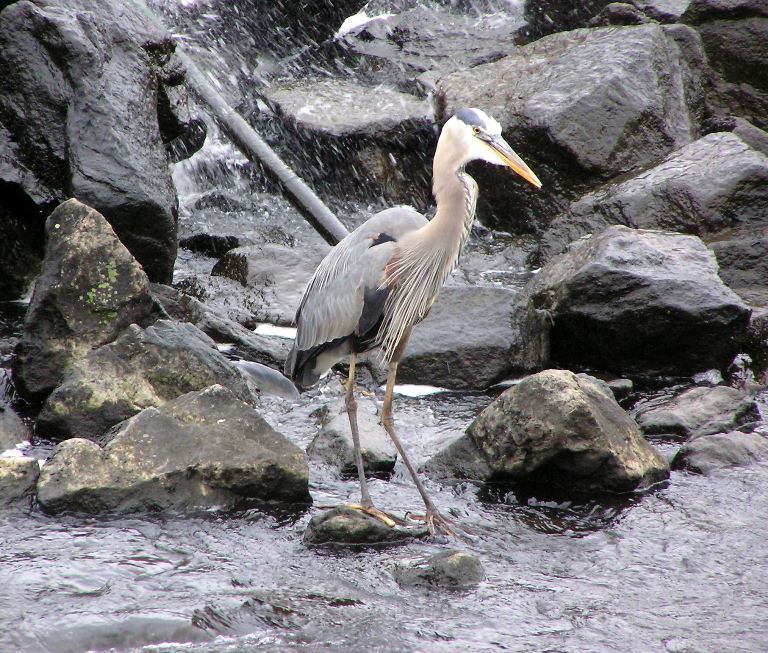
{"x":710,"y":453}
{"x":698,"y":412}
{"x":334,"y":442}
{"x":202,"y":450}
{"x":550,"y":94}
{"x":89,"y":290}
{"x":344,"y":526}
{"x":143,"y":368}
{"x":13,"y":430}
{"x":565,"y":431}
{"x":636,"y":301}
{"x":18,"y":476}
{"x":448,"y":569}
{"x":71,"y":73}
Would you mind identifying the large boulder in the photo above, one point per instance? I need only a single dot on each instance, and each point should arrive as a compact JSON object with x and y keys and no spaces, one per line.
{"x":565,"y":432}
{"x":697,"y":412}
{"x":710,"y":453}
{"x":79,"y":98}
{"x":143,"y":368}
{"x":713,"y":185}
{"x":470,"y":340}
{"x":205,"y":449}
{"x":734,"y":33}
{"x":18,"y":476}
{"x":582,"y":107}
{"x":639,"y":302}
{"x":89,"y":290}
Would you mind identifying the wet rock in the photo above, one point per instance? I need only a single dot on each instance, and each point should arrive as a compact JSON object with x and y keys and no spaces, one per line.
{"x":469,"y":340}
{"x":18,"y":476}
{"x":563,"y":431}
{"x":448,"y":569}
{"x":89,"y":290}
{"x":344,"y":526}
{"x":227,"y":297}
{"x":643,"y":302}
{"x":734,"y":33}
{"x":459,"y":460}
{"x":143,"y":368}
{"x":13,"y":430}
{"x":697,"y":412}
{"x":619,"y":13}
{"x":709,"y":453}
{"x":277,"y":275}
{"x":550,"y":94}
{"x":414,"y":46}
{"x":621,"y":388}
{"x":79,"y":87}
{"x":550,"y":16}
{"x":714,"y":188}
{"x":664,"y":11}
{"x":334,"y":442}
{"x":205,"y":449}
{"x":378,"y":136}
{"x":743,"y":261}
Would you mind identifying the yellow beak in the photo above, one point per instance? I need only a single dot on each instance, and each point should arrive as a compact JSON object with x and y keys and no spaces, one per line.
{"x":510,"y":158}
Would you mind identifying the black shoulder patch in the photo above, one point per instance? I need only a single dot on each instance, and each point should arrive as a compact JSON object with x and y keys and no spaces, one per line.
{"x":373,"y":312}
{"x":471,"y":117}
{"x":382,"y":238}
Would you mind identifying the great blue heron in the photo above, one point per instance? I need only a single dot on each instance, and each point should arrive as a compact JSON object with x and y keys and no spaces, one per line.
{"x":382,"y":279}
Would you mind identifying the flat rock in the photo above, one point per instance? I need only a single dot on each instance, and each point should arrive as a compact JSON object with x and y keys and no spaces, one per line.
{"x":707,"y":188}
{"x":205,"y":449}
{"x":562,"y":431}
{"x":334,"y":442}
{"x":143,"y":368}
{"x":697,"y":412}
{"x":276,"y":275}
{"x":346,"y":527}
{"x":470,"y":340}
{"x":639,"y":302}
{"x":89,"y":290}
{"x":448,"y":569}
{"x":18,"y":476}
{"x":709,"y":453}
{"x":550,"y":94}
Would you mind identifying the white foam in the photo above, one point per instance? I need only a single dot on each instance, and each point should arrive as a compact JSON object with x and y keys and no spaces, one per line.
{"x":413,"y":390}
{"x":266,"y":329}
{"x":357,"y":20}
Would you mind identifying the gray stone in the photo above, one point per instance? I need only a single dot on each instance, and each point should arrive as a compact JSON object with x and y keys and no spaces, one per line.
{"x":18,"y":476}
{"x":470,"y":340}
{"x":12,"y":428}
{"x":619,"y":13}
{"x":566,"y":432}
{"x":459,"y":460}
{"x":715,"y":184}
{"x":277,"y":275}
{"x":89,"y":290}
{"x":639,"y":302}
{"x":550,"y":95}
{"x":141,"y":369}
{"x":205,"y":449}
{"x":334,"y":442}
{"x":447,"y":569}
{"x":697,"y":412}
{"x":709,"y":453}
{"x":346,"y":527}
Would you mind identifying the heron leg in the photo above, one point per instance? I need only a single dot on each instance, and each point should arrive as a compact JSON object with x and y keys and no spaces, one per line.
{"x":436,"y":523}
{"x":351,"y":404}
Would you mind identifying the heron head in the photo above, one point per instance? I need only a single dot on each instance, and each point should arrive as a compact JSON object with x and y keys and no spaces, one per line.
{"x":478,"y":136}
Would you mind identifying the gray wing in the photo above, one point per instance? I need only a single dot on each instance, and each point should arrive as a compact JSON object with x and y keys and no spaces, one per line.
{"x":333,"y":300}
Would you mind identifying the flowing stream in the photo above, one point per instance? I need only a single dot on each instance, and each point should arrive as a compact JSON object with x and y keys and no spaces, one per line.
{"x":682,"y":568}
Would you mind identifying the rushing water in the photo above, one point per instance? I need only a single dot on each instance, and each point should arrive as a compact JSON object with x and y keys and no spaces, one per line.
{"x":679,"y":569}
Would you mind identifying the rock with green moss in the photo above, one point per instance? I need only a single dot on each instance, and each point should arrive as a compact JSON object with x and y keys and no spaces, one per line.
{"x":205,"y":449}
{"x":89,"y":290}
{"x":143,"y":368}
{"x":344,"y":526}
{"x":448,"y":569}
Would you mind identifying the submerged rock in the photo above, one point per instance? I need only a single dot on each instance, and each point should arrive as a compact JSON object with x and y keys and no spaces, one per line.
{"x":18,"y":476}
{"x":141,"y":369}
{"x":698,"y":412}
{"x":205,"y":449}
{"x":90,"y":289}
{"x":548,"y":97}
{"x":639,"y":302}
{"x":345,"y":526}
{"x":334,"y":442}
{"x":709,"y":453}
{"x":567,"y":432}
{"x":447,"y":569}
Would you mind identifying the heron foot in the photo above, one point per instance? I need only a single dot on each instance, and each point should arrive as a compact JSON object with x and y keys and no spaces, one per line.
{"x":439,"y":525}
{"x":373,"y":511}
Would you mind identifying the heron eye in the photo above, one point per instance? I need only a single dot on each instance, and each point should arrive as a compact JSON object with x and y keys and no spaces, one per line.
{"x":476,"y":130}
